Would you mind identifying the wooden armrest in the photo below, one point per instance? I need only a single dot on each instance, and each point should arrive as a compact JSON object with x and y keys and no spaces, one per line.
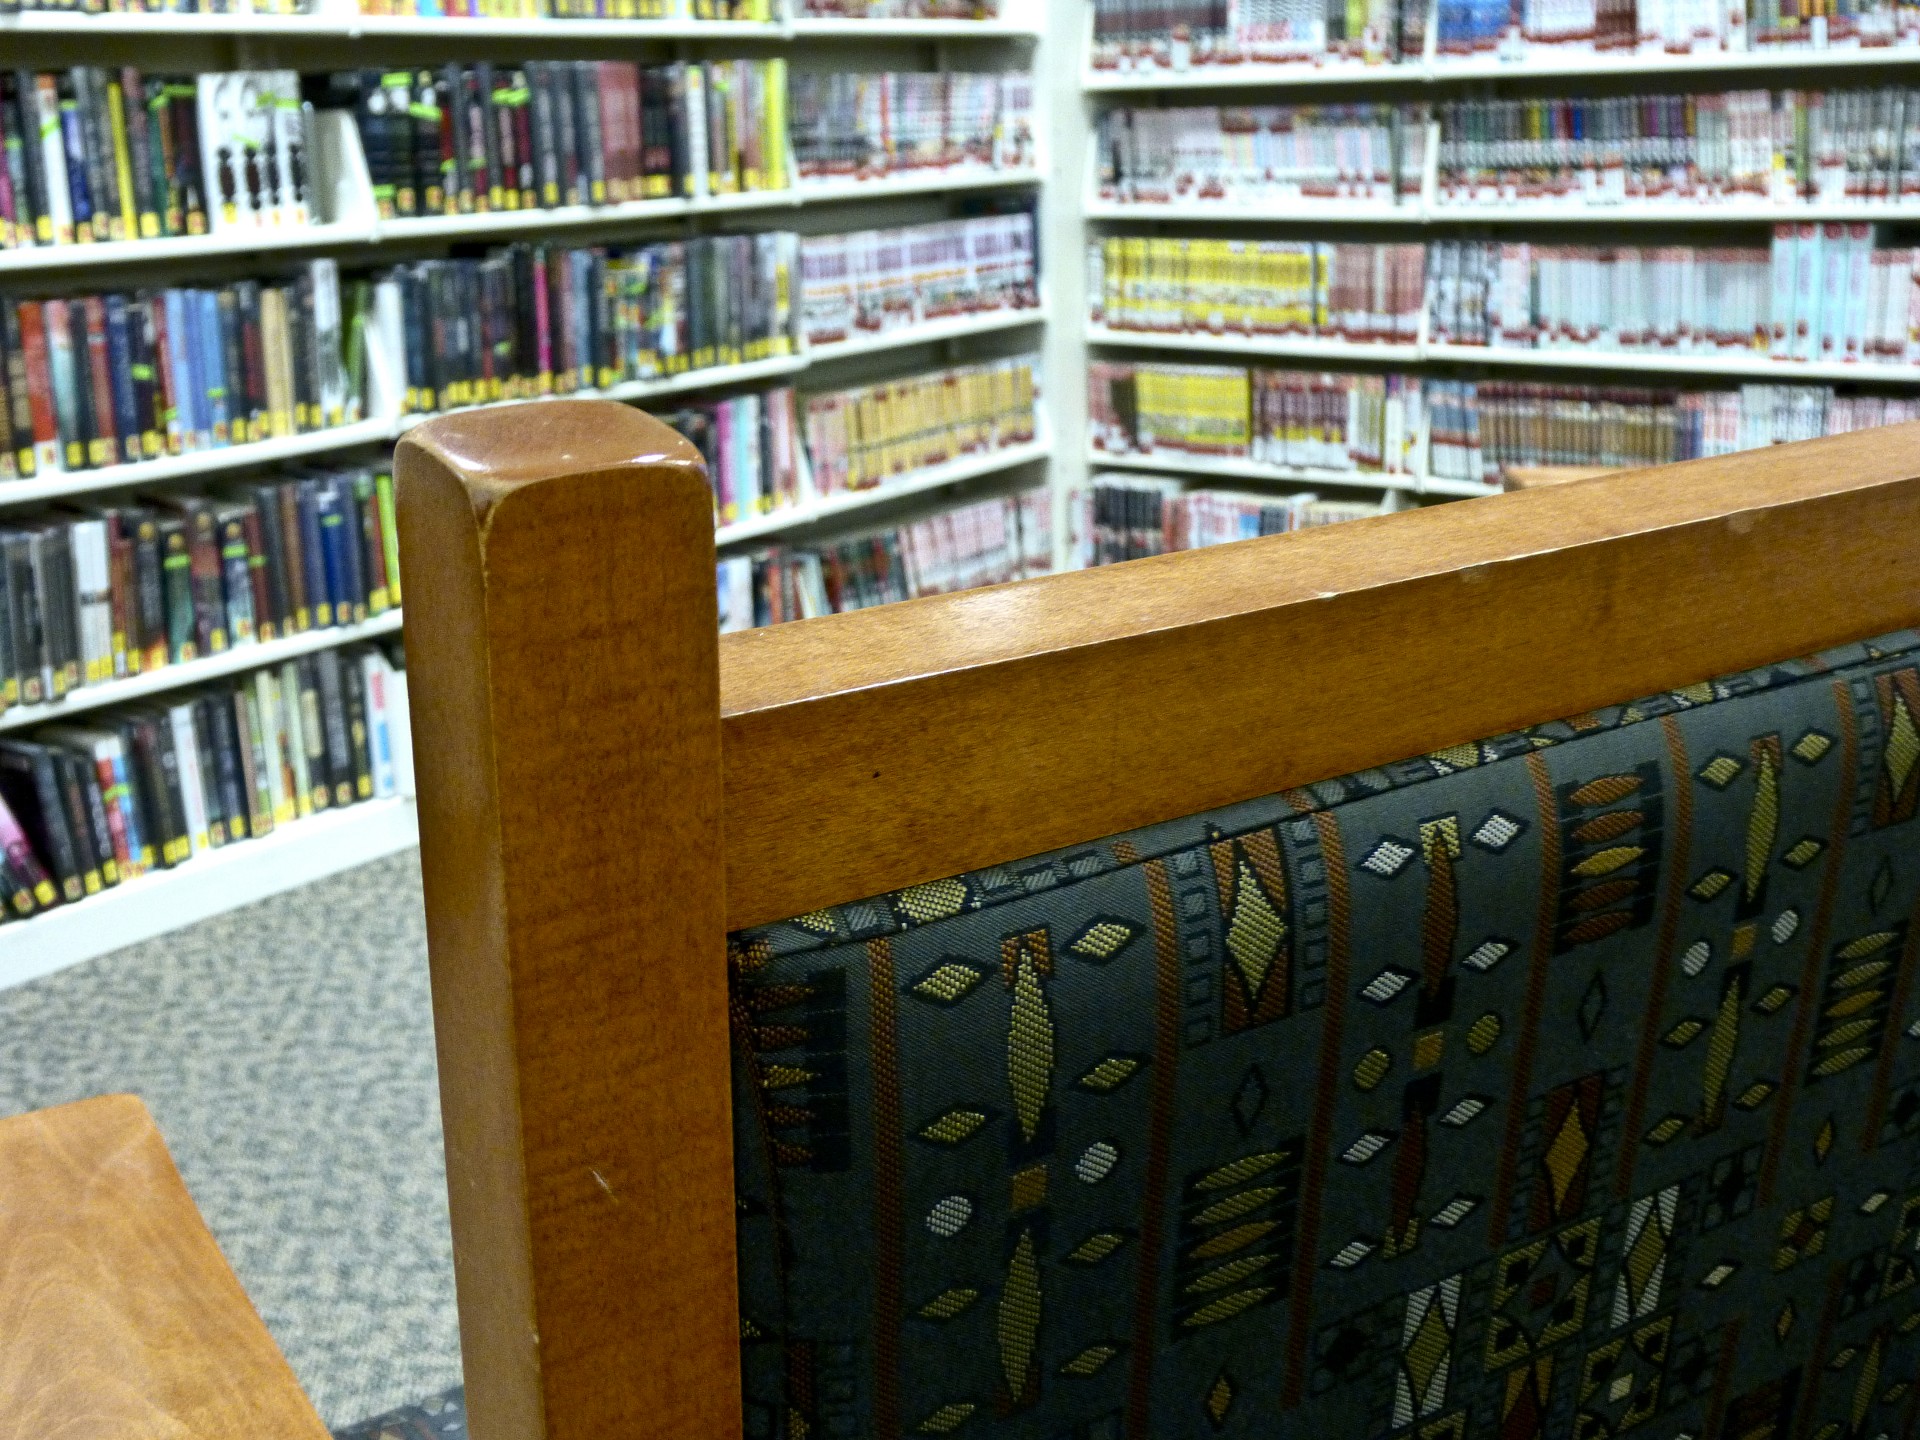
{"x":1532,"y":477}
{"x":123,"y":1321}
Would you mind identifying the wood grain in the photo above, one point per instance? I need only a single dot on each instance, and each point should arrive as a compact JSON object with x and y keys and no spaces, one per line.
{"x":893,"y":746}
{"x":121,"y":1319}
{"x":1532,"y":477}
{"x":560,"y":640}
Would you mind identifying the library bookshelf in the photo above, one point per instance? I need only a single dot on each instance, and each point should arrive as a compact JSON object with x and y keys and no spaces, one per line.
{"x":350,"y":229}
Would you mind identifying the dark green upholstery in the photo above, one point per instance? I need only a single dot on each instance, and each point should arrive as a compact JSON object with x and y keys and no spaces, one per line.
{"x":1563,"y":1085}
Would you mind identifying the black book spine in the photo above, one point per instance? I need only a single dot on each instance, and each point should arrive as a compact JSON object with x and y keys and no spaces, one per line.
{"x":32,"y":792}
{"x":236,"y":575}
{"x":29,"y":635}
{"x":424,"y":112}
{"x":490,"y":137}
{"x":212,"y":798}
{"x":353,"y":685}
{"x":353,"y":571}
{"x":93,"y":849}
{"x":19,"y":97}
{"x":176,"y":574}
{"x":86,"y":425}
{"x":333,"y":709}
{"x":560,"y":77}
{"x":266,"y":504}
{"x":313,"y":732}
{"x":233,"y":361}
{"x":307,"y":410}
{"x":147,"y":813}
{"x":217,"y":711}
{"x":586,"y":102}
{"x":394,"y":84}
{"x":179,"y":834}
{"x":455,"y":177}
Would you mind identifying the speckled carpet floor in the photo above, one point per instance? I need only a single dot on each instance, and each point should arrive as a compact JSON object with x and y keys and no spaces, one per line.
{"x":287,"y":1052}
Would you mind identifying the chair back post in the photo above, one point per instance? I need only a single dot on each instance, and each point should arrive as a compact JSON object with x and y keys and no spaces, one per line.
{"x":562,"y":659}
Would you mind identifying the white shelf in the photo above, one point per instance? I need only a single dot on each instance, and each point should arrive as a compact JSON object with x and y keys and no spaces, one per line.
{"x":62,"y":485}
{"x":1228,"y":468}
{"x":182,"y":247}
{"x":953,"y":328}
{"x":354,"y":27}
{"x":1732,"y":365}
{"x":235,"y":661}
{"x":915,"y":182}
{"x":967,"y":467}
{"x":1277,"y":212}
{"x":1301,"y":347}
{"x":210,"y":884}
{"x":1538,"y":64}
{"x":839,"y":27}
{"x":1692,"y":211}
{"x":1552,"y":62}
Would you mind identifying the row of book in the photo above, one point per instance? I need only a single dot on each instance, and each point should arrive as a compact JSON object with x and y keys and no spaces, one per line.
{"x":530,"y":320}
{"x":1162,"y":35}
{"x":90,"y":154}
{"x":101,"y":380}
{"x":751,"y":444}
{"x":857,"y":439}
{"x":1820,"y":293}
{"x":1478,"y":430}
{"x":756,"y":11}
{"x":1352,"y":292}
{"x":1672,"y":27}
{"x":89,"y":806}
{"x":1129,"y":517}
{"x":985,"y":543}
{"x":1362,"y":424}
{"x":901,"y":9}
{"x":97,"y":593}
{"x":476,"y":139}
{"x":874,"y":282}
{"x":1780,"y":146}
{"x":1154,"y":35}
{"x":860,"y":126}
{"x":1250,"y":155}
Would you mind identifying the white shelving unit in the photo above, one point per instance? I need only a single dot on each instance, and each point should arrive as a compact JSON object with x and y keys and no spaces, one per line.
{"x":354,"y":232}
{"x":1294,"y":347}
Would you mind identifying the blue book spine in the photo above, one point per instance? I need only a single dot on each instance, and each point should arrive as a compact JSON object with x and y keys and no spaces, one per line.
{"x":76,"y":148}
{"x":333,"y":527}
{"x":314,"y":555}
{"x":126,"y":413}
{"x":193,"y":388}
{"x":129,"y":812}
{"x":351,"y":530}
{"x":180,"y":427}
{"x":212,"y":358}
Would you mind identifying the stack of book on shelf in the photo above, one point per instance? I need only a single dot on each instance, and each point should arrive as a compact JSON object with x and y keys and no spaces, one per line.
{"x":91,"y":805}
{"x":1129,"y":517}
{"x":1362,"y":294}
{"x":105,"y":592}
{"x":101,"y":380}
{"x":899,"y":9}
{"x":878,"y":282}
{"x":533,"y":320}
{"x":751,"y":444}
{"x":94,"y":155}
{"x":477,"y":139}
{"x":1781,"y":147}
{"x":1368,"y":425}
{"x":164,"y":7}
{"x":867,"y":437}
{"x":986,"y":543}
{"x":1822,"y":293}
{"x":760,"y":11}
{"x":1670,"y":27}
{"x":1262,"y":154}
{"x":866,"y":126}
{"x":1478,"y":431}
{"x":1129,"y":35}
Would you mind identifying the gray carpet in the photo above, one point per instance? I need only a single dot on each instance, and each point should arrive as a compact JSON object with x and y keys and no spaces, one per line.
{"x":287,"y":1052}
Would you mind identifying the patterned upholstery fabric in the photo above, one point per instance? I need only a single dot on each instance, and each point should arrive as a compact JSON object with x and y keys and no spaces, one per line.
{"x":1559,"y":1085}
{"x":444,"y":1417}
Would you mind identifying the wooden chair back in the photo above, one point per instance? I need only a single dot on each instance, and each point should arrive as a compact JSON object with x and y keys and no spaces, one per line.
{"x":606,"y":792}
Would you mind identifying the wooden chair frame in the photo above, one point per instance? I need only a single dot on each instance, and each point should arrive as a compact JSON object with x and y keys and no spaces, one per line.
{"x":605,"y":792}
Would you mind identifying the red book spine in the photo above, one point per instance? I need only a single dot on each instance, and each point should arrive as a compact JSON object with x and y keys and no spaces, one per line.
{"x":104,"y":449}
{"x":46,"y":425}
{"x":631,"y":159}
{"x":606,"y":73}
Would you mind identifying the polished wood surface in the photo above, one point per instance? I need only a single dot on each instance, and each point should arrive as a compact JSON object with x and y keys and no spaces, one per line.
{"x":888,"y":747}
{"x":1532,"y":477}
{"x":563,"y":670}
{"x":119,"y":1317}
